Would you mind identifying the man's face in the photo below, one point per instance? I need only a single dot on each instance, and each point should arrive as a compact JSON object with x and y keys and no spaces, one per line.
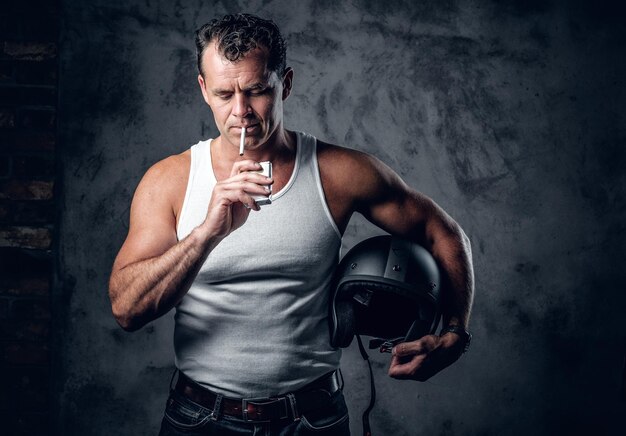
{"x":244,"y":93}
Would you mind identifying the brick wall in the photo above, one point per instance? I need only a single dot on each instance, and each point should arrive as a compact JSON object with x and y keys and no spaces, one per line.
{"x":28,"y":102}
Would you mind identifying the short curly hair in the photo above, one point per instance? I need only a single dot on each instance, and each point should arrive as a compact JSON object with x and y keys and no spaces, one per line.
{"x":236,"y":35}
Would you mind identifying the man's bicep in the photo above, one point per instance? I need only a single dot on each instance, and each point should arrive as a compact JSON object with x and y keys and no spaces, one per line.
{"x":400,"y":210}
{"x":152,"y":227}
{"x":418,"y":218}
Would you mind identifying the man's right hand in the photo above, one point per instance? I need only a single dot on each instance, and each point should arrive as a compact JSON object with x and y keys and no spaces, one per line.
{"x":153,"y":269}
{"x":232,"y":200}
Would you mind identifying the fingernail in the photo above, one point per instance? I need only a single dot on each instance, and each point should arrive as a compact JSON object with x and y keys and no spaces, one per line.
{"x":267,"y":189}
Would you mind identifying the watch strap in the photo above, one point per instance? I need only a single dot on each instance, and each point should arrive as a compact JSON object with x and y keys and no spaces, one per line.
{"x":459,"y":330}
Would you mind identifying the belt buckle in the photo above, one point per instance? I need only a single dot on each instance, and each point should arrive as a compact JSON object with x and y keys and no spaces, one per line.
{"x":262,"y":402}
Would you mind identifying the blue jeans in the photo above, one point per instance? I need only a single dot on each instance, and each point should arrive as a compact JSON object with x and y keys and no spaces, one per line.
{"x":184,"y":417}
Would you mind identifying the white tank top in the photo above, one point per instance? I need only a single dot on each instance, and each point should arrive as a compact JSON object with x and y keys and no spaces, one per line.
{"x":255,"y":321}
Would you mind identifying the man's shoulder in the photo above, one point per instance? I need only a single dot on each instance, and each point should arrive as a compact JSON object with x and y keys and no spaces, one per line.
{"x":354,"y":173}
{"x":339,"y":155}
{"x":341,"y":161}
{"x":167,"y":177}
{"x":165,"y":183}
{"x":176,"y":165}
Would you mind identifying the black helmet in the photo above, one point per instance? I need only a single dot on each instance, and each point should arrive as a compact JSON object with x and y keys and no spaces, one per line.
{"x":385,"y":287}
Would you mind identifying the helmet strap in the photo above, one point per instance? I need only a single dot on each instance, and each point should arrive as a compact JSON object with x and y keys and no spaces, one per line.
{"x":366,"y":414}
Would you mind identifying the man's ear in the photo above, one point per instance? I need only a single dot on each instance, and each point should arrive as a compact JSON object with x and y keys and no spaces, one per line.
{"x":203,"y":88}
{"x":287,"y":82}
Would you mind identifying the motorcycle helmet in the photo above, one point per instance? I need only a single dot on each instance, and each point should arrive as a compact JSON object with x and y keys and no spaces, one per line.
{"x":385,"y":287}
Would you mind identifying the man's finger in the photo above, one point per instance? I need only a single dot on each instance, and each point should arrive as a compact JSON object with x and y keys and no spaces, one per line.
{"x":421,"y":346}
{"x":407,"y":349}
{"x":420,"y":368}
{"x":401,"y":369}
{"x":244,"y":165}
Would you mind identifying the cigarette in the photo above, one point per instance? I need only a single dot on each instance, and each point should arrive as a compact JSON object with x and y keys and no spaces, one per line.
{"x":241,"y":141}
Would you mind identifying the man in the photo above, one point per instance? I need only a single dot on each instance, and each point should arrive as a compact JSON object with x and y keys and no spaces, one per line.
{"x":250,"y":284}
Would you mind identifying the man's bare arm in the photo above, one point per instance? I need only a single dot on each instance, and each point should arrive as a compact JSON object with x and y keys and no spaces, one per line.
{"x":154,"y":270}
{"x":383,"y":198}
{"x":146,"y":289}
{"x":404,"y":212}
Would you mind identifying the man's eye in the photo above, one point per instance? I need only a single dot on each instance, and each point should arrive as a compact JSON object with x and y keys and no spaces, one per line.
{"x":259,"y":91}
{"x":223,"y":96}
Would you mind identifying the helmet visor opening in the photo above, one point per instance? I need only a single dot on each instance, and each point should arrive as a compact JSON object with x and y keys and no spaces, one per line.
{"x":387,"y":315}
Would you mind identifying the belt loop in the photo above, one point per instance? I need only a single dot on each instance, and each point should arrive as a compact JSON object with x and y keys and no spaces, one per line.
{"x":217,"y":407}
{"x":294,"y":407}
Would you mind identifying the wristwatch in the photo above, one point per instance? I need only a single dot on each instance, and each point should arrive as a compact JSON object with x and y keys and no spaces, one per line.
{"x":457,"y":329}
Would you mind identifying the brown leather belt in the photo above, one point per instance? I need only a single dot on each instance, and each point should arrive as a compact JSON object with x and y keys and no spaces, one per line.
{"x":291,"y":405}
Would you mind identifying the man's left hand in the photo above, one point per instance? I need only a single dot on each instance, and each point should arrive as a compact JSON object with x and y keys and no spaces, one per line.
{"x":425,"y":357}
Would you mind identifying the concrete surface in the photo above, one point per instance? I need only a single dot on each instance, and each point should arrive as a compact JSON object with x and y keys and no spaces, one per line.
{"x":509,"y":114}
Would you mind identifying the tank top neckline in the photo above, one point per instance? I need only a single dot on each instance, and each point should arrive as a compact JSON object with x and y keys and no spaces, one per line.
{"x":292,"y":178}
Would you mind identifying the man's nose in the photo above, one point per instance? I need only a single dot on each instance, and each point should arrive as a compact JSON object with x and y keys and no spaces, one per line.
{"x":241,"y":107}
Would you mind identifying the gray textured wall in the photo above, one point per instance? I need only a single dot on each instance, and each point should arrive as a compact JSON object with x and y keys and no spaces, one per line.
{"x":509,"y":114}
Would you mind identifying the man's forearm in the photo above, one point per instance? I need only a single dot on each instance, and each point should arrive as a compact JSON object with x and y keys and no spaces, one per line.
{"x":144,"y":290}
{"x":454,"y":255}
